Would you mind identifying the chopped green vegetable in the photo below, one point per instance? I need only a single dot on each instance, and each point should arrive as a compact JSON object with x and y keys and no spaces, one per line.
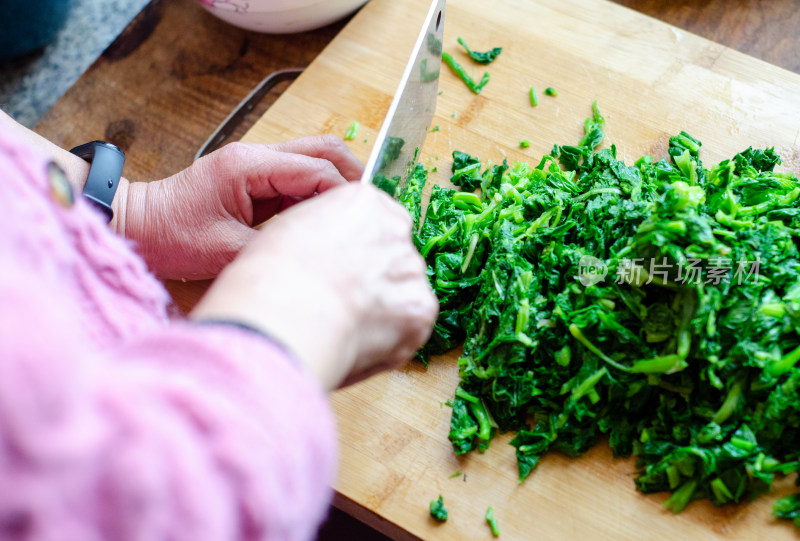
{"x":492,"y":521}
{"x":459,"y":70}
{"x":456,"y":474}
{"x":352,"y":131}
{"x":532,"y":94}
{"x":438,"y":512}
{"x":481,"y":58}
{"x":788,"y":508}
{"x":435,"y":128}
{"x":524,"y":143}
{"x":411,"y":195}
{"x":390,"y":151}
{"x":434,"y":44}
{"x":550,"y":91}
{"x":387,"y":184}
{"x":427,"y":76}
{"x":656,"y":305}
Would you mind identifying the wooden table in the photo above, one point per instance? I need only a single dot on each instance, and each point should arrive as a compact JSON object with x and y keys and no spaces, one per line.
{"x":159,"y":90}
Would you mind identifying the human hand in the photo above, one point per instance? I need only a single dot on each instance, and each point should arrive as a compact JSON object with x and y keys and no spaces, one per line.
{"x":192,"y":224}
{"x":337,"y":280}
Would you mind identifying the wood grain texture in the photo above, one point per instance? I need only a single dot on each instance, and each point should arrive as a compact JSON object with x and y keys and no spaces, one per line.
{"x":651,"y":80}
{"x":766,"y":29}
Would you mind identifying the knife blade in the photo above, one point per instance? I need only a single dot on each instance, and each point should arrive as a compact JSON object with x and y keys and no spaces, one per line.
{"x":403,"y":131}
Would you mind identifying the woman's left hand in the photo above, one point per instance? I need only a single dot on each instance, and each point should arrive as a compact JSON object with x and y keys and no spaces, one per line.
{"x":192,"y":224}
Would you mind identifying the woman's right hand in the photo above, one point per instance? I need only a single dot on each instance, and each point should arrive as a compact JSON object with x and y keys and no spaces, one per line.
{"x":337,"y":280}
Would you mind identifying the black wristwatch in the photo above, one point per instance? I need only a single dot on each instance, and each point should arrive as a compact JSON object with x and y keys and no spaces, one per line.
{"x":104,"y":174}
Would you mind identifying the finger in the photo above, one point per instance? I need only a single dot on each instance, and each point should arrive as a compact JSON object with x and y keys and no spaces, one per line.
{"x":292,"y":175}
{"x":326,"y":147}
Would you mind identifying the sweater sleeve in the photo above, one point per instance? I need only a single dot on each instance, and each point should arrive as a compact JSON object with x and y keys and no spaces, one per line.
{"x":119,"y":425}
{"x":186,"y":432}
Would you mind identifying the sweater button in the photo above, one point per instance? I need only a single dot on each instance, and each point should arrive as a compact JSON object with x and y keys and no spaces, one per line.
{"x":60,"y":189}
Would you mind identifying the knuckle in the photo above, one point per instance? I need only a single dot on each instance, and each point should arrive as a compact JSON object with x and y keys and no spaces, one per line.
{"x":235,"y":151}
{"x":332,"y":141}
{"x":327,"y":169}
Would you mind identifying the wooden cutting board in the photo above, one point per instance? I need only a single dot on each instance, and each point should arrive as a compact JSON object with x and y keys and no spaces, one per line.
{"x":651,"y":80}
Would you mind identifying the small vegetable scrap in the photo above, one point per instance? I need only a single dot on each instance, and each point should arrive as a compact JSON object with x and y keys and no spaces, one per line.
{"x":534,"y":99}
{"x":788,"y":508}
{"x":524,"y":143}
{"x":655,"y":304}
{"x":550,"y":91}
{"x":492,"y":521}
{"x":438,"y":512}
{"x":427,"y":76}
{"x":481,"y":58}
{"x":459,"y":70}
{"x":352,"y":131}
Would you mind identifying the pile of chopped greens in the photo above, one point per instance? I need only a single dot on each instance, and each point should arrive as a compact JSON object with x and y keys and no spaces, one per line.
{"x":655,"y":304}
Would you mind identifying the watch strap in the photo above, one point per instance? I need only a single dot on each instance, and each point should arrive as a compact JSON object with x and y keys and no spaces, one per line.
{"x":104,"y":174}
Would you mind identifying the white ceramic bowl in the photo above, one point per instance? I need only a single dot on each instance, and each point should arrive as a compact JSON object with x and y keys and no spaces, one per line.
{"x":281,"y":16}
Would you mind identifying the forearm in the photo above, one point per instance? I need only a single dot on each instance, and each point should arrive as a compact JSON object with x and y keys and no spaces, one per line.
{"x":75,"y":168}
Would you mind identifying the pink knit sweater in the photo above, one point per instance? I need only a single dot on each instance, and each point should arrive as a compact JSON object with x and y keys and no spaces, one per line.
{"x":119,"y":423}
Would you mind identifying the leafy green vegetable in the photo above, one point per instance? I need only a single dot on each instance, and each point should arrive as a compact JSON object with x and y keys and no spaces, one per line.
{"x":434,"y":44}
{"x":656,"y":304}
{"x":390,"y":151}
{"x":481,"y":58}
{"x":438,"y":512}
{"x":459,"y":70}
{"x":492,"y":521}
{"x":550,"y":91}
{"x":387,"y":184}
{"x":411,"y":195}
{"x":352,"y":131}
{"x":427,"y":76}
{"x":788,"y":508}
{"x":466,"y":171}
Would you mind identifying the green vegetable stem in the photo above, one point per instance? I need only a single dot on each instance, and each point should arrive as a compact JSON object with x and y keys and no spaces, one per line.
{"x":352,"y":131}
{"x":481,"y":58}
{"x":492,"y":521}
{"x":459,"y":70}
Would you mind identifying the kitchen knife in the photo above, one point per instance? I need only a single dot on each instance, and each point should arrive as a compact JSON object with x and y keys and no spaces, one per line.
{"x":403,"y":131}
